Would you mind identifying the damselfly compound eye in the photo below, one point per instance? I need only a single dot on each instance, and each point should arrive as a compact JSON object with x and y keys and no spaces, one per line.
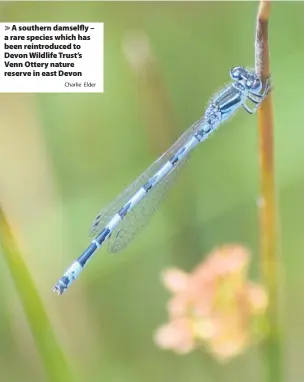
{"x":236,"y":73}
{"x":257,"y":85}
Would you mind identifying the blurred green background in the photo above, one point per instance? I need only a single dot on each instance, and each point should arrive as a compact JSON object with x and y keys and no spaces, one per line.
{"x":64,"y":156}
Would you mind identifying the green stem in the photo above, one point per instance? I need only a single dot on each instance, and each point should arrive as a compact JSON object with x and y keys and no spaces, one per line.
{"x":55,"y":364}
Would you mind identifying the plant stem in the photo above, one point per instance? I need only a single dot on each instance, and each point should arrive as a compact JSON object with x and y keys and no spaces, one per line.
{"x":55,"y":364}
{"x":272,"y":353}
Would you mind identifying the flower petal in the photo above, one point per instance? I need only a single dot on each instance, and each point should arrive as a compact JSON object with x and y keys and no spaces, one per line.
{"x":176,"y":336}
{"x":175,"y":280}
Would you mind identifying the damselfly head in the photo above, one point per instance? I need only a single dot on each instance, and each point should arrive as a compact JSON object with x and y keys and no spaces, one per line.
{"x":248,"y":79}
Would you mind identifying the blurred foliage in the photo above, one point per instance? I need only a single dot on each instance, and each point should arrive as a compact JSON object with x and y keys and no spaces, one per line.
{"x":64,"y":156}
{"x":54,"y":361}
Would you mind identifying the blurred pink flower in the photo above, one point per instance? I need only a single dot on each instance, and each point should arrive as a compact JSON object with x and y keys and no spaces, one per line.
{"x":177,"y":335}
{"x":175,"y":280}
{"x":213,"y":306}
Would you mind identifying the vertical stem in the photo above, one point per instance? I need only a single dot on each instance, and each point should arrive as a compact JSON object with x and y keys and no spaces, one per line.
{"x":267,"y":206}
{"x":56,"y":366}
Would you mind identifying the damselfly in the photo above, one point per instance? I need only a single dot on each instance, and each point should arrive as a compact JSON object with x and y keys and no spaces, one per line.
{"x":120,"y":221}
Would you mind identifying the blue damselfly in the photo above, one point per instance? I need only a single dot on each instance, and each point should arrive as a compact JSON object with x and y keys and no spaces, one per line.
{"x":119,"y":222}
